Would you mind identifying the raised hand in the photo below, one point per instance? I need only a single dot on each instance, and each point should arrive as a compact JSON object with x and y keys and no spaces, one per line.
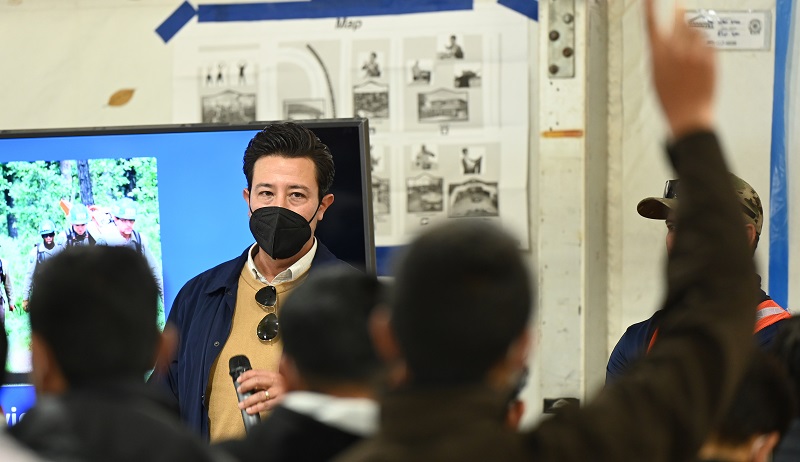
{"x":684,"y":74}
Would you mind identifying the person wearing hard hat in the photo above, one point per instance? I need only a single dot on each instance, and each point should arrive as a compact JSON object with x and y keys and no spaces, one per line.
{"x":124,"y":214}
{"x":41,"y":252}
{"x":77,"y":234}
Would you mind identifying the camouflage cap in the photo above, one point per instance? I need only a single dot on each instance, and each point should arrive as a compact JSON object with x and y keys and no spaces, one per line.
{"x":658,"y":208}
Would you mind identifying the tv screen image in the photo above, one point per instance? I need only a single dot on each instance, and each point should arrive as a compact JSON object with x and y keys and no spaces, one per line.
{"x":51,"y":205}
{"x":186,"y":183}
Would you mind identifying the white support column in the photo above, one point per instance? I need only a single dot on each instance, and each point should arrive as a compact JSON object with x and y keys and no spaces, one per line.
{"x":572,"y":178}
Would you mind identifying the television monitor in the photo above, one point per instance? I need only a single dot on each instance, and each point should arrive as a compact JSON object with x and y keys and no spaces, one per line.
{"x":186,"y":182}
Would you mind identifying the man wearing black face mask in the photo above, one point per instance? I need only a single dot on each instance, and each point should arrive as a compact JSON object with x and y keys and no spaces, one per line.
{"x":232,"y":309}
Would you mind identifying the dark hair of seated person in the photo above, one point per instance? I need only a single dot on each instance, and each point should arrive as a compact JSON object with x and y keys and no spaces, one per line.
{"x":324,"y":326}
{"x":97,"y":307}
{"x":462,"y":296}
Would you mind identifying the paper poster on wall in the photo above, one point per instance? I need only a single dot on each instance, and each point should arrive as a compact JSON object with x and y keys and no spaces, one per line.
{"x":307,"y":79}
{"x":447,"y":106}
{"x":381,"y":190}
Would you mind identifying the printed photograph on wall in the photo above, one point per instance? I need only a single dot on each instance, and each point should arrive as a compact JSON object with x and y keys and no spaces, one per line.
{"x":419,"y":71}
{"x":425,"y":193}
{"x":450,"y":46}
{"x":443,"y":105}
{"x":372,"y":64}
{"x":52,"y":205}
{"x":304,"y":109}
{"x":424,"y":157}
{"x":472,"y":198}
{"x":381,"y":199}
{"x":467,"y":75}
{"x":381,"y":190}
{"x":228,"y":91}
{"x":371,"y":100}
{"x":471,"y":160}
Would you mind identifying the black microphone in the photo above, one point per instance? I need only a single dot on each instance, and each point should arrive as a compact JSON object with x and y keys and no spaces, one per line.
{"x":238,"y":365}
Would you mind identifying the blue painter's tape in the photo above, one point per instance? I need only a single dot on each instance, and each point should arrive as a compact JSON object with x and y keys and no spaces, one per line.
{"x":529,"y":8}
{"x":324,"y":9}
{"x":176,"y":21}
{"x":779,"y":206}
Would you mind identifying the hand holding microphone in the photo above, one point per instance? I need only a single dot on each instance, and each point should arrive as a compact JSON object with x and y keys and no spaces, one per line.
{"x":261,"y":390}
{"x":238,"y":366}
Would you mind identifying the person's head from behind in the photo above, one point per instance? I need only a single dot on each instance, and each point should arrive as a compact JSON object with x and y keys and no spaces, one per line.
{"x":288,"y":167}
{"x":325,"y":330}
{"x":516,"y":406}
{"x":665,"y":208}
{"x":93,"y":315}
{"x":756,"y":418}
{"x":460,"y":310}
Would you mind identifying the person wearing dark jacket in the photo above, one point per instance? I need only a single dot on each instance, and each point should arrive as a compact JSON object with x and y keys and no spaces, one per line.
{"x":458,"y":322}
{"x":639,"y":337}
{"x":94,"y":335}
{"x":330,"y":369}
{"x":232,"y":308}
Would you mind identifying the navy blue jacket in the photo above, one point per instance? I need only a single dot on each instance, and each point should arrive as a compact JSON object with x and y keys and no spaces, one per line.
{"x":634,"y":342}
{"x":203,"y":312}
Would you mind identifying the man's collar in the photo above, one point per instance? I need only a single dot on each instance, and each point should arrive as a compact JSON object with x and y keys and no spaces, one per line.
{"x":299,"y":268}
{"x":358,"y":416}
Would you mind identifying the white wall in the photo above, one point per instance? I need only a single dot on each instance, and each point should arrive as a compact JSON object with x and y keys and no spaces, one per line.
{"x":61,"y":61}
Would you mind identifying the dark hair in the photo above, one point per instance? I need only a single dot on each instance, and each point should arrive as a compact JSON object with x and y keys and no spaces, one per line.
{"x":786,"y":347}
{"x":290,"y":140}
{"x":462,"y":296}
{"x":324,"y":325}
{"x":763,"y":403}
{"x":96,"y":307}
{"x":3,"y":353}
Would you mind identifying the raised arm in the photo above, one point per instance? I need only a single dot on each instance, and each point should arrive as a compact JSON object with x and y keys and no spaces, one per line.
{"x":664,"y":407}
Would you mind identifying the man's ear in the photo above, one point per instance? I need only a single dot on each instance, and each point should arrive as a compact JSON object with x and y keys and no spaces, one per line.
{"x":507,"y":369}
{"x":246,"y":197}
{"x":751,"y":234}
{"x":324,"y":203}
{"x":514,"y":415}
{"x":167,"y":348}
{"x":386,"y":345}
{"x":383,"y":338}
{"x":46,"y":374}
{"x":763,"y":445}
{"x":292,"y":379}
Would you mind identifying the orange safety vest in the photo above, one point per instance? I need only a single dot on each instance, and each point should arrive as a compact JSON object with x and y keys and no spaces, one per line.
{"x":767,"y":313}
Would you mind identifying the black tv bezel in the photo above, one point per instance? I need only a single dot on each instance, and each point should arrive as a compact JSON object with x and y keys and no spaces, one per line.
{"x":359,"y":123}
